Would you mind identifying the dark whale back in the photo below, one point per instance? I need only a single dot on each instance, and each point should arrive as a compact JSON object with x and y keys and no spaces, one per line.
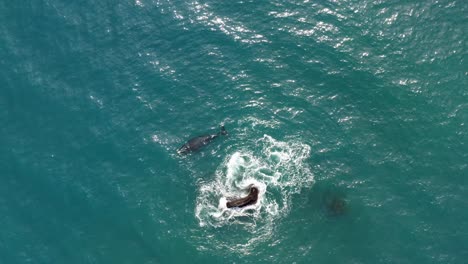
{"x":200,"y":141}
{"x":196,"y":143}
{"x":248,"y":200}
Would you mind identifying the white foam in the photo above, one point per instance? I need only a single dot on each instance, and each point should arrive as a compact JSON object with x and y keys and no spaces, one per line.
{"x":278,"y":169}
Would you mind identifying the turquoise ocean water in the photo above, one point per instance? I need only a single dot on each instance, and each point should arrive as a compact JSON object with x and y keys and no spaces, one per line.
{"x":350,"y":116}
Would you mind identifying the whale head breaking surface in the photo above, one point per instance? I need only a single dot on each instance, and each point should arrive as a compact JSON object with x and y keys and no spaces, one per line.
{"x":250,"y":199}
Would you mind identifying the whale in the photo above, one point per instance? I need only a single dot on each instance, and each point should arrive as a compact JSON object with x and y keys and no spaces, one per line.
{"x":250,"y":199}
{"x":196,"y":143}
{"x":336,"y":206}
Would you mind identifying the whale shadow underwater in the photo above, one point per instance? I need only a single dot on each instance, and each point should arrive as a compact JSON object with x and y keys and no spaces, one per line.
{"x":334,"y":203}
{"x":250,"y":199}
{"x":196,"y":143}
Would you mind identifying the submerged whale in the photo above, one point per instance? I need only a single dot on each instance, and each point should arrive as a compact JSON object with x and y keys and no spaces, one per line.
{"x":248,"y":200}
{"x":200,"y":141}
{"x":336,"y":206}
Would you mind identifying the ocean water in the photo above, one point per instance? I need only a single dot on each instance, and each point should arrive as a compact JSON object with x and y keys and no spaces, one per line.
{"x":349,"y":116}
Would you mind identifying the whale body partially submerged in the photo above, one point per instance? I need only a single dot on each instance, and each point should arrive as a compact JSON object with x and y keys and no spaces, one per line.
{"x":248,"y":200}
{"x":200,"y":141}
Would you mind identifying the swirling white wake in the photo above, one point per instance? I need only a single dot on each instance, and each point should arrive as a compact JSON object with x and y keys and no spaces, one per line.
{"x":276,"y":168}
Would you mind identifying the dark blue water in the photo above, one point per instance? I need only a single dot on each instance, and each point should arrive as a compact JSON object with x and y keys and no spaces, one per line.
{"x":349,"y":116}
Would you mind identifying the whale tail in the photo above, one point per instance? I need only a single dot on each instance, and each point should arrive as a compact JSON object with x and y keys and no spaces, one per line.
{"x":223,"y":131}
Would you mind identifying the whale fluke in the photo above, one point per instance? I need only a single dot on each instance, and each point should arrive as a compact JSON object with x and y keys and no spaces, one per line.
{"x":223,"y":131}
